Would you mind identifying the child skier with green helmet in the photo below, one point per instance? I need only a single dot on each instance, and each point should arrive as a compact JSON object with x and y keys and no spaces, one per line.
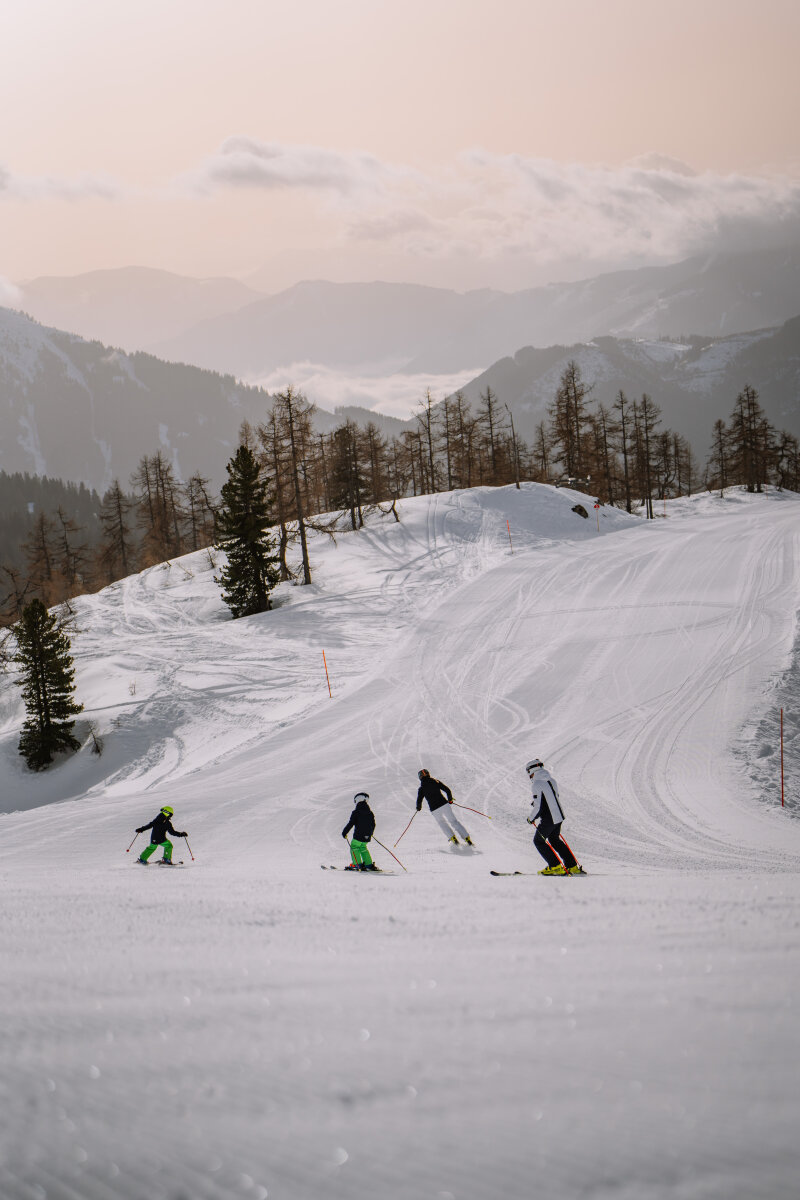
{"x":160,"y":825}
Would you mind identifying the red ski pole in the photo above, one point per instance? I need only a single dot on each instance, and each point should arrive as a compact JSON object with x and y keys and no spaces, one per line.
{"x":388,"y":851}
{"x":475,"y":810}
{"x":405,"y":831}
{"x":188,"y":847}
{"x":129,"y":847}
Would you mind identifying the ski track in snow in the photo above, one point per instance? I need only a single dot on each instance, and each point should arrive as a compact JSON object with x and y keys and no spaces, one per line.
{"x":252,"y":1026}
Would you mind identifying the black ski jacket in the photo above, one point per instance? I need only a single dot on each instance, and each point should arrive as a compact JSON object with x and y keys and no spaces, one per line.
{"x":362,"y":822}
{"x":161,"y":826}
{"x":431,"y":789}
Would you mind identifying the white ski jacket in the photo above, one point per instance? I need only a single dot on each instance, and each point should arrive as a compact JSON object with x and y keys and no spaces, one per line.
{"x":544,"y":790}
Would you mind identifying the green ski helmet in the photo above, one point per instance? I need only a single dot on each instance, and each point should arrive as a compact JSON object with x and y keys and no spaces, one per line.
{"x":167,"y":811}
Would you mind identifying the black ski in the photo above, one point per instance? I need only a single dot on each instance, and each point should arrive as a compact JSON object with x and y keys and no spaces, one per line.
{"x":567,"y":876}
{"x":379,"y":871}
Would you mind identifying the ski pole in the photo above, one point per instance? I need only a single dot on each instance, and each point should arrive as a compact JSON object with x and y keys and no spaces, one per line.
{"x":188,"y":847}
{"x":475,"y":810}
{"x":408,"y":826}
{"x":388,"y":851}
{"x":129,"y":847}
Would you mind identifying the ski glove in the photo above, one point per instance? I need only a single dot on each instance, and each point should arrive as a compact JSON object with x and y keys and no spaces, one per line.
{"x":531,"y":820}
{"x":344,"y":835}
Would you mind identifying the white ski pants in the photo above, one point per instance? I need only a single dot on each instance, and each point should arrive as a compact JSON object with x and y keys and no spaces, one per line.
{"x":448,"y":821}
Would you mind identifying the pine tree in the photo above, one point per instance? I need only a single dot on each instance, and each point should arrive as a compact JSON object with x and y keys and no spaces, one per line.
{"x":117,"y":552}
{"x":48,"y":686}
{"x":243,"y":520}
{"x":348,"y":487}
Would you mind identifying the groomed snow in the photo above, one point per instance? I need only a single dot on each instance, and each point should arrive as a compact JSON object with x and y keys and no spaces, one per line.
{"x":251,"y":1026}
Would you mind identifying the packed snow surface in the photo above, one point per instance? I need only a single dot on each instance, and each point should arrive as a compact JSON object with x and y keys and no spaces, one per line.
{"x":252,"y":1026}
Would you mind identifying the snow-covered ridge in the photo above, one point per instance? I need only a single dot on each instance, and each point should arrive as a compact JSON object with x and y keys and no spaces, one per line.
{"x":172,"y":684}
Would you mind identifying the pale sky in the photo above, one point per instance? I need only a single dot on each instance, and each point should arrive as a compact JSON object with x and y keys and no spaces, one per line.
{"x":458,"y":142}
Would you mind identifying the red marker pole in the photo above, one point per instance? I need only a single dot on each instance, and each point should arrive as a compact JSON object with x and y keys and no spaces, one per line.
{"x":597,"y":510}
{"x":327,"y":676}
{"x":511,"y":544}
{"x":782,"y":800}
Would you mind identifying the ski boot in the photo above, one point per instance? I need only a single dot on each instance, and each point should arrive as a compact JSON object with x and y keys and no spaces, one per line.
{"x":469,"y":840}
{"x":576,"y":870}
{"x":143,"y":862}
{"x":353,"y":867}
{"x":454,"y":840}
{"x":559,"y":870}
{"x":369,"y":867}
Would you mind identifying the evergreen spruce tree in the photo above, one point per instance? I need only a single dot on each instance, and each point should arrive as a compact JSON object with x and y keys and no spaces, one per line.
{"x":243,"y":521}
{"x":48,"y":686}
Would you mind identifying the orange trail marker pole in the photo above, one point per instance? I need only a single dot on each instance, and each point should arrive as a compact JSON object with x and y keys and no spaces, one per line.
{"x":511,"y":544}
{"x":327,"y":676}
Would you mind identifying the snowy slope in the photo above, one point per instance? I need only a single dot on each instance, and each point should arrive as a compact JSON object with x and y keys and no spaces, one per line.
{"x":253,"y":1026}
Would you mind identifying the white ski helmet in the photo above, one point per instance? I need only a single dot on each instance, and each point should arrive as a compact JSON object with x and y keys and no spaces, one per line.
{"x":359,"y":796}
{"x":533,"y":764}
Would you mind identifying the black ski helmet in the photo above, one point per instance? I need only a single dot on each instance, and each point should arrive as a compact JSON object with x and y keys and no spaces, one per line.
{"x":422,"y":773}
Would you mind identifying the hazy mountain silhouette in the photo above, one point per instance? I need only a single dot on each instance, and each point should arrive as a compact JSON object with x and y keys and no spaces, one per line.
{"x":410,"y":328}
{"x":130,"y":307}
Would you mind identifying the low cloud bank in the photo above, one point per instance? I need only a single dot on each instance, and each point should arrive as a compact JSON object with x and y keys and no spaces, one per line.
{"x":497,"y":207}
{"x":391,"y":393}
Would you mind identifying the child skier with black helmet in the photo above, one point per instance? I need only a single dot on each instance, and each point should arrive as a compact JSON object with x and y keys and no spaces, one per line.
{"x":362,"y":823}
{"x":160,"y":825}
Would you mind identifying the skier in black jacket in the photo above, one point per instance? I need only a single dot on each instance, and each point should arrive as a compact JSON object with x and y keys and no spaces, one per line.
{"x":160,"y":826}
{"x":438,"y":794}
{"x":362,"y":823}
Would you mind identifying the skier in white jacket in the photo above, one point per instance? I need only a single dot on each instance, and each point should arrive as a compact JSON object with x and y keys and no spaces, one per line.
{"x":549,"y":813}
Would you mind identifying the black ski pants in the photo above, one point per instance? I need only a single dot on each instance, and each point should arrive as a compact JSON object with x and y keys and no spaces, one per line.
{"x":552,"y":847}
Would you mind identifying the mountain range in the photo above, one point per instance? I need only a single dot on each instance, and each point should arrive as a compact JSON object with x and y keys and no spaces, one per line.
{"x":694,"y":380}
{"x":224,"y":326}
{"x":84,"y":412}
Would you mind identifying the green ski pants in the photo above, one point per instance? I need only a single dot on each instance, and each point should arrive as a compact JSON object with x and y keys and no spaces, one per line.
{"x":165,"y":846}
{"x":359,"y":853}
